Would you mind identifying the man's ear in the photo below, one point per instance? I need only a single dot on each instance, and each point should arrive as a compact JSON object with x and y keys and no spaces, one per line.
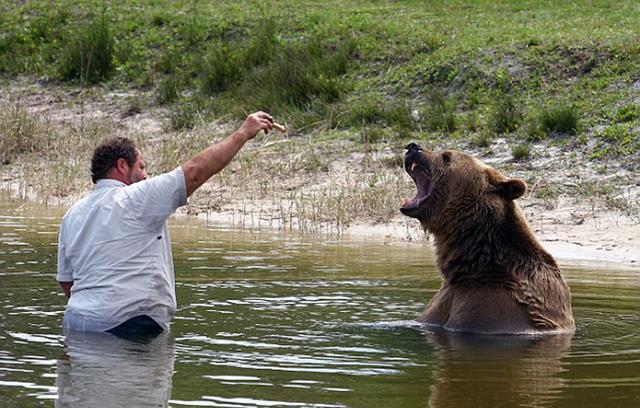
{"x":122,"y":166}
{"x":511,"y":189}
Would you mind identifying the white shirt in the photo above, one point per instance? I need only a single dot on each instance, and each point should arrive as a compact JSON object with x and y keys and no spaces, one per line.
{"x":114,"y":246}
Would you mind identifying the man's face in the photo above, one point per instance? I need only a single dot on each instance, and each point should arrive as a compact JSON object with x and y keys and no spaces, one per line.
{"x":137,"y":172}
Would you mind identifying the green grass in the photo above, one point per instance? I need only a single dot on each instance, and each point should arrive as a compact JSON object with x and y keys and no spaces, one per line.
{"x":618,"y":141}
{"x":521,"y":152}
{"x":414,"y":70}
{"x":506,"y":114}
{"x":88,"y":55}
{"x":561,"y":119}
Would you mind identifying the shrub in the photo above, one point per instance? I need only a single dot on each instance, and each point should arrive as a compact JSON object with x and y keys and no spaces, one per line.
{"x":562,"y":119}
{"x":90,"y":57}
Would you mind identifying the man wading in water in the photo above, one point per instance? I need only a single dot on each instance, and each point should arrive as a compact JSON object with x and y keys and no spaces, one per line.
{"x":114,"y":253}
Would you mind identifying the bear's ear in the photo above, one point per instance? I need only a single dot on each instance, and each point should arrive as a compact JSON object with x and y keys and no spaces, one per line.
{"x":511,"y":189}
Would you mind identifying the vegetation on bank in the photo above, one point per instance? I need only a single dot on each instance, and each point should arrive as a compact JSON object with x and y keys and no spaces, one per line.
{"x":456,"y":72}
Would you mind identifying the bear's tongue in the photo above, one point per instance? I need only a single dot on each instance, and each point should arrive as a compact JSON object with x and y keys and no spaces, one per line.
{"x":425,"y":187}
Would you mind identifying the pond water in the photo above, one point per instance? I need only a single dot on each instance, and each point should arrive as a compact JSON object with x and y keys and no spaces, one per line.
{"x":272,"y":319}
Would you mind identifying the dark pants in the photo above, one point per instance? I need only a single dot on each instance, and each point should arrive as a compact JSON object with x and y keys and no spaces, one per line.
{"x":139,"y":326}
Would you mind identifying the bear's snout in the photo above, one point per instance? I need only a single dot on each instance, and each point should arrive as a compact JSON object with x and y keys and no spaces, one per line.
{"x":413,"y":147}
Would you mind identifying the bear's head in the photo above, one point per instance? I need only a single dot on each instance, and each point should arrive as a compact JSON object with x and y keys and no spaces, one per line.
{"x":454,"y":184}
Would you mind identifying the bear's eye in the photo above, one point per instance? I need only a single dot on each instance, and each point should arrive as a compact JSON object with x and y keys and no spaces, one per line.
{"x":446,"y":157}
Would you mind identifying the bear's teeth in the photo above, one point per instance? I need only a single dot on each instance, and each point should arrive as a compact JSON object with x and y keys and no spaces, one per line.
{"x":413,"y":166}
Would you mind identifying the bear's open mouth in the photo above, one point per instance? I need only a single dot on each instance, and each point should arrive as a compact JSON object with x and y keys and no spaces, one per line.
{"x":424,"y":185}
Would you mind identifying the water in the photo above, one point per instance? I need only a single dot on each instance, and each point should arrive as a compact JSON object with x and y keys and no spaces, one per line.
{"x":286,"y":320}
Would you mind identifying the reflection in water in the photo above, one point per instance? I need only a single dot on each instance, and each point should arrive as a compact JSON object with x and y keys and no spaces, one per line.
{"x":489,"y":371}
{"x":102,"y":370}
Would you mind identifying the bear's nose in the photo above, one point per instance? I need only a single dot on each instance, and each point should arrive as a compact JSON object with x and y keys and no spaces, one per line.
{"x":413,"y":147}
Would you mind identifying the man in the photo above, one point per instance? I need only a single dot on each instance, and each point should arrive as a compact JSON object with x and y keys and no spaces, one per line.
{"x":114,"y":254}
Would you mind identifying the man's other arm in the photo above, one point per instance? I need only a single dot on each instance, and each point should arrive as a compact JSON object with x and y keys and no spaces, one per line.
{"x":210,"y":161}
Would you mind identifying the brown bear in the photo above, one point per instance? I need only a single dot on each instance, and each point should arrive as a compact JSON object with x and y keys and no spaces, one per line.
{"x":497,"y":278}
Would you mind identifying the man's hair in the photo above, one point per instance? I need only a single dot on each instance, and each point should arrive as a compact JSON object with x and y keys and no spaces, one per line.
{"x":107,"y":154}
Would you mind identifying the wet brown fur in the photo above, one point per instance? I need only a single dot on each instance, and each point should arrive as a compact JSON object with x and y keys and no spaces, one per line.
{"x":497,"y":278}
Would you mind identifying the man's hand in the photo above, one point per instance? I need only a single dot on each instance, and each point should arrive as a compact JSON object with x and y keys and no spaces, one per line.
{"x":254,"y":123}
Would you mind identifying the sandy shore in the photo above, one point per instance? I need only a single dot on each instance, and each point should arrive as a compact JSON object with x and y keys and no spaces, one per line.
{"x":605,"y":236}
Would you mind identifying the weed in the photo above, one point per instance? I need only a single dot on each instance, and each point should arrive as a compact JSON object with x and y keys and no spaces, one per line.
{"x":399,"y":115}
{"x":394,"y":161}
{"x":616,"y":141}
{"x":472,"y":121}
{"x":439,"y":114}
{"x":298,"y":76}
{"x":263,"y":44}
{"x":169,"y":61}
{"x":548,"y":193}
{"x":134,"y":107}
{"x":593,"y":189}
{"x":220,"y":69}
{"x":505,"y":115}
{"x":368,"y":111}
{"x":182,"y":116}
{"x":90,"y":57}
{"x":168,"y":90}
{"x":562,"y":119}
{"x":627,"y":113}
{"x":521,"y":152}
{"x":481,"y":140}
{"x":371,"y":134}
{"x":20,"y":133}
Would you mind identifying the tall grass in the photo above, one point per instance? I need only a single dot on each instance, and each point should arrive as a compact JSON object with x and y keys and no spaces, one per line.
{"x":89,"y":56}
{"x":221,"y":69}
{"x":439,"y":114}
{"x":20,"y":132}
{"x":561,"y":119}
{"x":302,"y":74}
{"x":505,"y":115}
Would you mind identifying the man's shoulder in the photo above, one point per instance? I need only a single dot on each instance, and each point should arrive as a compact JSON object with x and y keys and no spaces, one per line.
{"x":84,"y":204}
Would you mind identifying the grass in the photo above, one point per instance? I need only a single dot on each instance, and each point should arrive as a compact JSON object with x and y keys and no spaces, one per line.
{"x":617,"y":141}
{"x":560,"y":119}
{"x":521,"y":152}
{"x":506,"y":114}
{"x":20,"y":133}
{"x":369,"y":74}
{"x":89,"y":54}
{"x":439,"y":114}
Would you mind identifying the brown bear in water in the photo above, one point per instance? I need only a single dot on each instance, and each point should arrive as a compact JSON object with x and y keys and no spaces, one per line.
{"x":497,"y":277}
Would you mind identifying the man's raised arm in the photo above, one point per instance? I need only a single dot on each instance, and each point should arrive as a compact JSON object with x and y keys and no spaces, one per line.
{"x":210,"y":161}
